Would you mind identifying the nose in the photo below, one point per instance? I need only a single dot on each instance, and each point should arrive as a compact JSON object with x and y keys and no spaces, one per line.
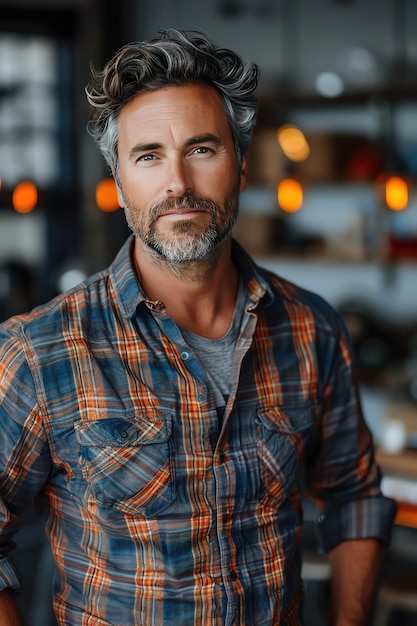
{"x":179,"y":182}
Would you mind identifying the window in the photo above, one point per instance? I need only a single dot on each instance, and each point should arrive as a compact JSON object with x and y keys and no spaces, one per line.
{"x":38,"y":142}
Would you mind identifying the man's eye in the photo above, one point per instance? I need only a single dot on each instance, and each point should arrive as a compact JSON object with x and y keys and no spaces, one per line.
{"x":147,"y":157}
{"x":202,"y":150}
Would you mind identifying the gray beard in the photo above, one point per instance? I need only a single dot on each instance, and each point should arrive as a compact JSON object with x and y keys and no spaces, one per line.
{"x":186,"y":242}
{"x":188,"y":246}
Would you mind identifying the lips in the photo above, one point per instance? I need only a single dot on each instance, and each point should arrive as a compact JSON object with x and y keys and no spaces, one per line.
{"x":181,"y":214}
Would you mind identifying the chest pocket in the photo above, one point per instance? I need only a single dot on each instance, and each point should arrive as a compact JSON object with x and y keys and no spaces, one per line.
{"x":127,"y":462}
{"x":284,"y":433}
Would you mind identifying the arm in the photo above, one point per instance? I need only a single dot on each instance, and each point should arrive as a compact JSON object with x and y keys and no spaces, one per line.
{"x":355,"y":567}
{"x":24,"y":461}
{"x":356,"y":519}
{"x":9,"y":615}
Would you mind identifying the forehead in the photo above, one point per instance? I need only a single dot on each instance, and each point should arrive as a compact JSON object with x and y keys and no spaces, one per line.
{"x":195,"y":108}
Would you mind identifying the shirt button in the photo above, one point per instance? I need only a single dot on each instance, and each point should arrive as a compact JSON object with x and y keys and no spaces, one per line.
{"x":185,"y":355}
{"x":124,"y":434}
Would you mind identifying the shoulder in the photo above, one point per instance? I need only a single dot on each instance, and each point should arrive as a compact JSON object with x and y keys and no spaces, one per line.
{"x":278,"y":293}
{"x":50,"y":322}
{"x":299,"y":300}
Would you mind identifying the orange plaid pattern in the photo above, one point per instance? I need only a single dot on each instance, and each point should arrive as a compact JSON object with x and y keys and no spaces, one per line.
{"x":157,"y":513}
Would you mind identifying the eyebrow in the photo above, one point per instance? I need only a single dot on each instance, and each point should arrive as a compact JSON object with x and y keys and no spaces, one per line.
{"x":148,"y":147}
{"x":206,"y":138}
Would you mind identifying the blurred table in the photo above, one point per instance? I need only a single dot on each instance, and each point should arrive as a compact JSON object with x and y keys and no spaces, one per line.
{"x":399,"y":482}
{"x":402,"y":464}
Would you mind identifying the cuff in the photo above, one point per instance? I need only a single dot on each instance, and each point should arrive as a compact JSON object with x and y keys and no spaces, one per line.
{"x":9,"y":577}
{"x":361,"y":519}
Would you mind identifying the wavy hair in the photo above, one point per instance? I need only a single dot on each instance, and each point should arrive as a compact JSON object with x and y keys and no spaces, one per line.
{"x":177,"y":58}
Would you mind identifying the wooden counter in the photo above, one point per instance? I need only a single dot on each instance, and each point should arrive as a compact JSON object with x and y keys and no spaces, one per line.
{"x":402,"y":464}
{"x":400,"y":483}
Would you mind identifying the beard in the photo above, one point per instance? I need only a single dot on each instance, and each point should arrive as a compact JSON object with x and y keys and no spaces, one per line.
{"x":186,"y":240}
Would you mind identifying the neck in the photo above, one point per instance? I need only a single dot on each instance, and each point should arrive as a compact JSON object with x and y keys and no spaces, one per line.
{"x":199,"y":296}
{"x":189,"y":272}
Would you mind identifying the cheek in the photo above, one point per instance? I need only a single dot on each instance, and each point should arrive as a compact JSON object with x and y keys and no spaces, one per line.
{"x":136,"y":183}
{"x":135,"y":199}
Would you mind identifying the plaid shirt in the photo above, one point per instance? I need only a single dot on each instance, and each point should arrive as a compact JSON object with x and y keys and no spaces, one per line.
{"x":158,"y":513}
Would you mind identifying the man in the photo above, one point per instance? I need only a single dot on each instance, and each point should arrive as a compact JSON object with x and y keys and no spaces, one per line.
{"x":171,"y":410}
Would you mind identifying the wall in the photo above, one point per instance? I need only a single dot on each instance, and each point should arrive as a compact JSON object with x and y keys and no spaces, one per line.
{"x":294,"y":39}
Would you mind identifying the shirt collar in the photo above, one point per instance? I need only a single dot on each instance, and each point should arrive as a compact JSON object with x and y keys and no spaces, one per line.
{"x":253,"y":276}
{"x":125,"y":283}
{"x":129,"y":295}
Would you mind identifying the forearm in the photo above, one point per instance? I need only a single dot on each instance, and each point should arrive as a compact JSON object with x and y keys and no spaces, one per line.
{"x":355,"y":569}
{"x":9,"y":615}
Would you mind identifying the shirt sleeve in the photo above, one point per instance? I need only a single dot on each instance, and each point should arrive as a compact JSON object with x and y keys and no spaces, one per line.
{"x":24,"y":453}
{"x":370,"y":517}
{"x":343,"y":477}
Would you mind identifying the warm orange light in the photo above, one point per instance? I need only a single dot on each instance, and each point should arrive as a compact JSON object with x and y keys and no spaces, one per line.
{"x":290,"y":195}
{"x":106,"y":195}
{"x":293,"y":143}
{"x":25,"y":197}
{"x":396,"y":193}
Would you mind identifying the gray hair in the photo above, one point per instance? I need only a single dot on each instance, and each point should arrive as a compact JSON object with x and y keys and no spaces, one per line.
{"x":174,"y":58}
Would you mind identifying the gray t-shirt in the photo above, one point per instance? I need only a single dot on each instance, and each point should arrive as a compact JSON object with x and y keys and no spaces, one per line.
{"x":216,"y":355}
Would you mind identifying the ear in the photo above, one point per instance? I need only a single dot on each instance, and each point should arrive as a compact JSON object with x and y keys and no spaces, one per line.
{"x":244,"y":173}
{"x":120,"y":198}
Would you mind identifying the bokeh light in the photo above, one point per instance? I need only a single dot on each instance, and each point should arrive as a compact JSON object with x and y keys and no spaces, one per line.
{"x":293,"y":143}
{"x":396,"y":193}
{"x":329,"y":84}
{"x":290,"y":195}
{"x":25,"y":197}
{"x":106,"y":195}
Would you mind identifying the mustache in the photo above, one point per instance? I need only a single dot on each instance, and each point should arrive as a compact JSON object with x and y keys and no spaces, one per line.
{"x":182,"y":202}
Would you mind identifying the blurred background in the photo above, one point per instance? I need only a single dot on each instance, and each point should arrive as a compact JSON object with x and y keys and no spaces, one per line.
{"x":331,"y":204}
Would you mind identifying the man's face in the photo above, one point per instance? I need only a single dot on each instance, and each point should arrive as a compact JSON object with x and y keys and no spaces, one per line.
{"x":178,"y":171}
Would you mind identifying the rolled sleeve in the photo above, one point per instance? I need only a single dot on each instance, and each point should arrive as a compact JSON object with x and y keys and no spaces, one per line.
{"x":9,"y":576}
{"x":345,"y":481}
{"x":367,"y":518}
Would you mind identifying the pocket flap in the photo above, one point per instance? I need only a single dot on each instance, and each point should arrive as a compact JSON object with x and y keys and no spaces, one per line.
{"x":288,"y":418}
{"x":126,"y":431}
